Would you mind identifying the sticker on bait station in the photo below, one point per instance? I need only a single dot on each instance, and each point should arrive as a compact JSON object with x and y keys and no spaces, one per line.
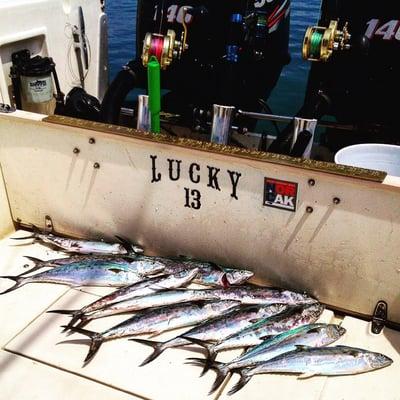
{"x":280,"y":194}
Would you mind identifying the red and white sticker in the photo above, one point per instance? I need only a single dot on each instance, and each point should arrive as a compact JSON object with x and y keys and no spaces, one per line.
{"x":280,"y":194}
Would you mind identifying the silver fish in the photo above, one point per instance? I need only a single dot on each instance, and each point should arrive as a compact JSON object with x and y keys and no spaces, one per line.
{"x":256,"y":333}
{"x":150,"y":301}
{"x":216,"y":329}
{"x":147,"y":287}
{"x":156,"y":321}
{"x":310,"y":361}
{"x":114,"y":273}
{"x":81,"y":246}
{"x":314,"y":335}
{"x":210,"y":274}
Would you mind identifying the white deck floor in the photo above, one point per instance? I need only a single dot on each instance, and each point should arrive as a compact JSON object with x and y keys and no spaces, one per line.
{"x":34,"y":364}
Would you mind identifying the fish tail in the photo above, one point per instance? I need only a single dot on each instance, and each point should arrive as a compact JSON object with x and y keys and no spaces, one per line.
{"x":158,"y":348}
{"x":34,"y":260}
{"x":211,"y":353}
{"x":95,"y":343}
{"x":78,"y":315}
{"x":33,"y":236}
{"x":221,"y":370}
{"x":19,"y":281}
{"x":244,"y":379}
{"x":66,"y":312}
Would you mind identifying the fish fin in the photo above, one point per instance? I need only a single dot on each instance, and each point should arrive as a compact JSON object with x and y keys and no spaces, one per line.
{"x":265,"y":337}
{"x":20,"y":281}
{"x":127,"y":245}
{"x":67,"y":312}
{"x":157,"y":349}
{"x":154,"y":334}
{"x":96,"y":340}
{"x":255,"y":320}
{"x":76,"y":316}
{"x":221,"y":370}
{"x":225,"y":281}
{"x":302,"y":347}
{"x":209,"y":347}
{"x":244,"y":379}
{"x":34,"y":259}
{"x":306,"y":375}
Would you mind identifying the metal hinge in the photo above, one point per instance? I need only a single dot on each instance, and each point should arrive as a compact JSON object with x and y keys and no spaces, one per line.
{"x":6,"y":108}
{"x":379,"y":318}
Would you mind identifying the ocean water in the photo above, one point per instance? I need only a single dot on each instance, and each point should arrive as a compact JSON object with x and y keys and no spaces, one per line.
{"x":287,"y":96}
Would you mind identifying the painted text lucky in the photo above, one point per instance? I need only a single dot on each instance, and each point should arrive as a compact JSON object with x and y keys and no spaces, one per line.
{"x":196,"y":174}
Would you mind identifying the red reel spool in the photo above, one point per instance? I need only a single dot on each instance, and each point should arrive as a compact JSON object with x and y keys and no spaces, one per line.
{"x":156,"y":47}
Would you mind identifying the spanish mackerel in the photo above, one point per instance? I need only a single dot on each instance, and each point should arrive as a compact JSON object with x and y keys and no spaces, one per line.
{"x":80,"y":246}
{"x":160,"y":299}
{"x":216,"y":329}
{"x":314,"y":335}
{"x":245,"y":295}
{"x":310,"y":361}
{"x":110,"y":272}
{"x":157,"y":321}
{"x":255,"y":334}
{"x":149,"y":286}
{"x":209,"y":274}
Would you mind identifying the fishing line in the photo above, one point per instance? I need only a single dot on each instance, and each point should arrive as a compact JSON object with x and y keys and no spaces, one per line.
{"x":162,"y":16}
{"x":315,"y":44}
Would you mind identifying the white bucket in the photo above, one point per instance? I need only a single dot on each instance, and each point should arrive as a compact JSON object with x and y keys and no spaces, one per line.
{"x":380,"y":157}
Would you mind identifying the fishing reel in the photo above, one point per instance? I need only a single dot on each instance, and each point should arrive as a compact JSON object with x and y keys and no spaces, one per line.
{"x":320,"y":42}
{"x":165,"y":48}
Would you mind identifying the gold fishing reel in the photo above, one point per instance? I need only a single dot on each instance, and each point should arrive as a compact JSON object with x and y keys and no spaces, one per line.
{"x":320,"y":42}
{"x":165,"y":48}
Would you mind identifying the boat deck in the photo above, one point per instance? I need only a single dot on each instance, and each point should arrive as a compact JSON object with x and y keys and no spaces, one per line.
{"x":38,"y":361}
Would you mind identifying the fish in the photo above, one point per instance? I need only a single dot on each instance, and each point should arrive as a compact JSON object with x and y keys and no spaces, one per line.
{"x":215,"y":329}
{"x":247,"y":295}
{"x":209,"y":274}
{"x":147,"y":287}
{"x":156,"y":321}
{"x":255,"y":334}
{"x":150,"y":301}
{"x":311,"y":361}
{"x":150,"y":286}
{"x":313,"y":335}
{"x":80,"y":246}
{"x":113,"y":273}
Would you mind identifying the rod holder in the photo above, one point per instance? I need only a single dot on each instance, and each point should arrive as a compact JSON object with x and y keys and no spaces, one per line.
{"x":300,"y":125}
{"x":221,"y":125}
{"x":143,"y":117}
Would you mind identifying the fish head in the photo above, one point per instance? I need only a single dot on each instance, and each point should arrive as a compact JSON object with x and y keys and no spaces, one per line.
{"x":314,"y":310}
{"x":238,"y":276}
{"x":378,"y":360}
{"x":333,"y":332}
{"x":298,"y":298}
